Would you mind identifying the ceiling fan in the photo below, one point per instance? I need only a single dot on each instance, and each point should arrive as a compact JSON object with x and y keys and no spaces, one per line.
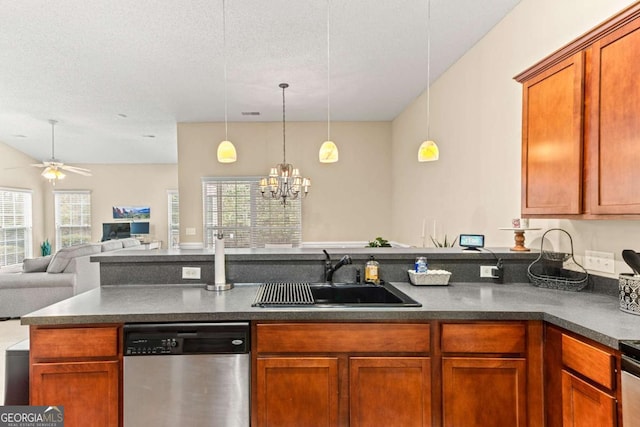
{"x":53,"y":168}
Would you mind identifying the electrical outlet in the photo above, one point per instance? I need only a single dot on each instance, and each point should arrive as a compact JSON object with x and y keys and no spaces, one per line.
{"x":487,"y":271}
{"x":599,"y":261}
{"x":190,"y":272}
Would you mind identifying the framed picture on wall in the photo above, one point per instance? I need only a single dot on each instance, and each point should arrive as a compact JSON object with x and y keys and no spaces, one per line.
{"x":131,"y":212}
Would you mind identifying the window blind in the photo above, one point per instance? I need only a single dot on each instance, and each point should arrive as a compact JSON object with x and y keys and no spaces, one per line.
{"x":236,"y":207}
{"x":15,"y":226}
{"x":72,"y":217}
{"x":173,"y":226}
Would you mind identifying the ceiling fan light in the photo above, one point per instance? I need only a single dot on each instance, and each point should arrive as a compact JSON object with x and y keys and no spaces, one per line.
{"x":328,"y":152}
{"x":227,"y":152}
{"x":428,"y":151}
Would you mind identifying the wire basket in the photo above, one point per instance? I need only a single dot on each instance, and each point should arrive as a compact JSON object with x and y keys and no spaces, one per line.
{"x":548,"y":270}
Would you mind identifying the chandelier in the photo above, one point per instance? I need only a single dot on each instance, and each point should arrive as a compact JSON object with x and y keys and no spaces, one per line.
{"x":284,"y":181}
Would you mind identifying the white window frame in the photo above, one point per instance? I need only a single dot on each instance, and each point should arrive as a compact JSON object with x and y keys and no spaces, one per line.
{"x":255,"y":222}
{"x":16,"y":225}
{"x":173,"y":226}
{"x":80,"y":220}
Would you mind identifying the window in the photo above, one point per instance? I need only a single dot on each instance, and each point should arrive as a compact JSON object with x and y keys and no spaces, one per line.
{"x":15,"y":226}
{"x":235,"y":207}
{"x":174,"y":218}
{"x":72,"y":217}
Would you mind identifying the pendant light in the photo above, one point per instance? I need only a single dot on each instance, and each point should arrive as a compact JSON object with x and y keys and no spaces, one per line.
{"x":328,"y":150}
{"x":226,"y":149}
{"x":428,"y":151}
{"x":284,"y":181}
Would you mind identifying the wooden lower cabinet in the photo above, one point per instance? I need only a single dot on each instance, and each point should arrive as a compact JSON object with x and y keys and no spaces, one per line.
{"x":480,"y":392}
{"x":78,"y":367}
{"x":342,"y":374}
{"x":583,"y":405}
{"x":389,"y":391}
{"x":88,"y":391}
{"x":297,"y":391}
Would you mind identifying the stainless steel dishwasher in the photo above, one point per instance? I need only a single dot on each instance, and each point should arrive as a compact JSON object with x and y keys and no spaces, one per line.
{"x":186,"y":374}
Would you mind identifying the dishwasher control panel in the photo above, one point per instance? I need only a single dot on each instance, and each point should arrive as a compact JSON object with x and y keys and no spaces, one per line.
{"x":186,"y":338}
{"x":144,"y":346}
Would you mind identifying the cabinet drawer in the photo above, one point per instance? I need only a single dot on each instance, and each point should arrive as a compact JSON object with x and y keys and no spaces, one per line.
{"x":587,"y":360}
{"x":342,"y":338}
{"x":51,"y":343}
{"x":484,"y":338}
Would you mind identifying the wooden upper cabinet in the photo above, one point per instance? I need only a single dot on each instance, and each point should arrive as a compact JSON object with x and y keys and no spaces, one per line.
{"x":580,"y":127}
{"x":614,"y":125}
{"x":552,"y":129}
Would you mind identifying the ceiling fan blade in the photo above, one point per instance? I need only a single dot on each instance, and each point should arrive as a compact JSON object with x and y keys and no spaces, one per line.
{"x":39,"y":165}
{"x":74,"y":169}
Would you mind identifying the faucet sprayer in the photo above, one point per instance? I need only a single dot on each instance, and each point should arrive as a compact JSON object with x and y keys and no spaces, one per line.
{"x":329,"y":269}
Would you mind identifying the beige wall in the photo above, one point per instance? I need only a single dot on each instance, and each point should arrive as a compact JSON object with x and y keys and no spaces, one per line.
{"x":119,"y":185}
{"x":349,"y":200}
{"x":130,"y":184}
{"x":15,"y":173}
{"x":476,"y":120}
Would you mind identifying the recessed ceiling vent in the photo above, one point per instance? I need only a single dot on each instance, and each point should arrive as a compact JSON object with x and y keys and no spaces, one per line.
{"x":251,"y":113}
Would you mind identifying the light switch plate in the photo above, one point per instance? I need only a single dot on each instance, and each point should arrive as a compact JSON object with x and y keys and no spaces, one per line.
{"x":599,"y":261}
{"x":190,"y":231}
{"x":191,"y":272}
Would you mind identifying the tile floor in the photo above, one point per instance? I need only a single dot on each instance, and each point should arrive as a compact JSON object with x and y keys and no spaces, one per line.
{"x":11,"y":332}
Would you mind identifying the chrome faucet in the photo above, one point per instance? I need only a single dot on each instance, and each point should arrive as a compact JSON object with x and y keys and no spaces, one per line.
{"x":330,"y":269}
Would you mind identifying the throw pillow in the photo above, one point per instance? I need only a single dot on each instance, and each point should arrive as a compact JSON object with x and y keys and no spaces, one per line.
{"x":62,"y":258}
{"x":129,"y":242}
{"x":111,"y":245}
{"x":36,"y":265}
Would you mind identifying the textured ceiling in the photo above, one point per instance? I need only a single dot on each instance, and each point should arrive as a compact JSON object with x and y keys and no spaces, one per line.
{"x":86,"y":63}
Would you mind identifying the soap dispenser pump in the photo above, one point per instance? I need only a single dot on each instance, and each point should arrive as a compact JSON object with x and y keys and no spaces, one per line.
{"x":372,"y":271}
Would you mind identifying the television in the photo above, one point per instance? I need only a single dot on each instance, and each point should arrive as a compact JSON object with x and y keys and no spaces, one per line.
{"x":139,"y":228}
{"x":115,"y":230}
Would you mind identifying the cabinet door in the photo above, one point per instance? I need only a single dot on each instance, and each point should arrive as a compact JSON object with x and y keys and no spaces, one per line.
{"x":88,"y":391}
{"x":390,"y":391}
{"x":480,"y":392}
{"x":552,"y":129}
{"x":584,"y":405}
{"x":614,"y":128}
{"x":301,"y":391}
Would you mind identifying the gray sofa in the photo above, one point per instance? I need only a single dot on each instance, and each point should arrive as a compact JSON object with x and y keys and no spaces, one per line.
{"x":40,"y":282}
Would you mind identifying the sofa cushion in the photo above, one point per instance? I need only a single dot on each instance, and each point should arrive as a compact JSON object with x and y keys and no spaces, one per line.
{"x":61,"y":258}
{"x":36,"y":265}
{"x":129,"y":242}
{"x":111,"y":245}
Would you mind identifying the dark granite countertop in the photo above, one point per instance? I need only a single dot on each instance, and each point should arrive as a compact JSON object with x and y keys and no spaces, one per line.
{"x":302,"y":254}
{"x":592,"y":315}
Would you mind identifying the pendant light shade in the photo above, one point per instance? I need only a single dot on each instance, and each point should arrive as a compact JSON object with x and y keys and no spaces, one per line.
{"x":226,"y":149}
{"x":328,"y":152}
{"x":227,"y":152}
{"x":428,"y":151}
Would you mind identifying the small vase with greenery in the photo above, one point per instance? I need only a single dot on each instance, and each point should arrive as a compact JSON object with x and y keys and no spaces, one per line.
{"x":379,"y":242}
{"x":444,"y":243}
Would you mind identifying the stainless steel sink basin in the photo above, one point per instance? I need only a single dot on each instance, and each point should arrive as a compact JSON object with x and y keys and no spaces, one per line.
{"x":332,"y":295}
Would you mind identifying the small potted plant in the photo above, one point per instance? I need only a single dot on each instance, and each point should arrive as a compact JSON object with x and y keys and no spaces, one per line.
{"x":379,"y":242}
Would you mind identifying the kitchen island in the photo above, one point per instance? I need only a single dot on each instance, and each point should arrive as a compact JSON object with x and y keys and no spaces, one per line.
{"x":512,"y":336}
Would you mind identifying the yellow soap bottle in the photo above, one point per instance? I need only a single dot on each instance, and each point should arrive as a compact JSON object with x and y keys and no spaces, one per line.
{"x":372,"y":271}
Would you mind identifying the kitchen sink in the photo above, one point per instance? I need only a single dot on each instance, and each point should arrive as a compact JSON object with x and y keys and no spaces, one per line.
{"x":332,"y":295}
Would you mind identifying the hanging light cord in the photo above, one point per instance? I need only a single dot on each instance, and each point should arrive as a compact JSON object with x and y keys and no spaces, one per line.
{"x":284,"y":134}
{"x":328,"y":72}
{"x":224,"y":52}
{"x":428,"y":68}
{"x":53,"y":154}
